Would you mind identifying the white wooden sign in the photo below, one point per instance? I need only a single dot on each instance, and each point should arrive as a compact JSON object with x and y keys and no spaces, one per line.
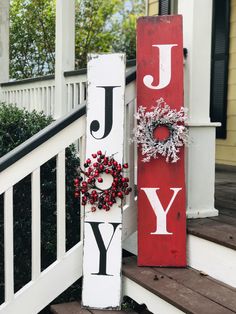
{"x":103,"y":229}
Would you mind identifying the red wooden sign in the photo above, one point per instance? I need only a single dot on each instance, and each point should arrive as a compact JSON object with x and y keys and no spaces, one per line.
{"x":161,"y":184}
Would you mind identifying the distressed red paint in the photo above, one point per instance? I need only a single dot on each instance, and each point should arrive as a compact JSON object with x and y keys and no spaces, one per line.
{"x":161,"y":249}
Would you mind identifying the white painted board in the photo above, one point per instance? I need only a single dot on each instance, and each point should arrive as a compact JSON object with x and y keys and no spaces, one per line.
{"x":103,"y":229}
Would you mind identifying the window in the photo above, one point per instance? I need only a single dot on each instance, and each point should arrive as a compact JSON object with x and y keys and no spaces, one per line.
{"x":219,"y":64}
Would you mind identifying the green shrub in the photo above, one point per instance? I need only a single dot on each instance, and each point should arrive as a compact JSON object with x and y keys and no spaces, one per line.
{"x":16,"y":126}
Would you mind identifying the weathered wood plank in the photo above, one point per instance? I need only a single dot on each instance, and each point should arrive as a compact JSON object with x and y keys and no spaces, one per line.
{"x":222,"y":218}
{"x":170,"y":290}
{"x":75,"y":308}
{"x":228,"y":212}
{"x":161,"y":203}
{"x":224,"y":203}
{"x":203,"y":285}
{"x":72,"y":308}
{"x":218,"y":232}
{"x":103,"y":228}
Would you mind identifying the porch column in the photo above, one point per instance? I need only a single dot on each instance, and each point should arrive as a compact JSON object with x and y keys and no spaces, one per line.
{"x":65,"y":51}
{"x":197,"y":20}
{"x":4,"y":40}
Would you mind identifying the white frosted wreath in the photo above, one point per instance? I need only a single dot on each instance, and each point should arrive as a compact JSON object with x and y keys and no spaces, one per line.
{"x":162,"y":115}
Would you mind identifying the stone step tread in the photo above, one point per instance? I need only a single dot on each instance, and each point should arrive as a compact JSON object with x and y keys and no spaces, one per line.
{"x":188,"y":290}
{"x":75,"y":308}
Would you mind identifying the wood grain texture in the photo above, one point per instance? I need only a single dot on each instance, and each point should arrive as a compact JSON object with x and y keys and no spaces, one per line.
{"x":75,"y":308}
{"x":160,"y":249}
{"x":218,"y":232}
{"x":190,"y":298}
{"x":103,"y":229}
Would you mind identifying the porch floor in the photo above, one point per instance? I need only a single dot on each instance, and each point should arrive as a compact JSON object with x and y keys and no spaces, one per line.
{"x":221,"y":229}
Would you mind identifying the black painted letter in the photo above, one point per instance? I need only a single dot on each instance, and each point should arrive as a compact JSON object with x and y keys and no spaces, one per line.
{"x":100,"y":243}
{"x":95,"y":125}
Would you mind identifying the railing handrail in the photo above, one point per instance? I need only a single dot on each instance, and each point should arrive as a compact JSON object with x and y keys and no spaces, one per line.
{"x":129,"y":63}
{"x":41,"y":137}
{"x":49,"y":131}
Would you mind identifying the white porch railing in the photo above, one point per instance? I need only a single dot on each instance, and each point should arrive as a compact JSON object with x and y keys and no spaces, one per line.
{"x":47,"y":285}
{"x":39,"y":94}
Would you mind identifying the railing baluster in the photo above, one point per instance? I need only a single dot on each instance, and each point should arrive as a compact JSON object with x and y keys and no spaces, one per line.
{"x":52,"y":109}
{"x":77,"y":94}
{"x":36,"y":224}
{"x":68,"y":108}
{"x":72,"y":104}
{"x":8,"y":245}
{"x":61,"y":227}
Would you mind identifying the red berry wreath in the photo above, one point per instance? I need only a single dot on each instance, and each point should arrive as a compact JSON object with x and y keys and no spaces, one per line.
{"x":89,"y":185}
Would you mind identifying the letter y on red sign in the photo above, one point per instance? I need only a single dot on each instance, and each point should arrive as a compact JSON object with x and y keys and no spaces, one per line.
{"x":160,"y":212}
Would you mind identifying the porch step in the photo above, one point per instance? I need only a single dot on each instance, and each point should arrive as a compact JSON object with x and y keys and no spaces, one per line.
{"x":177,"y":290}
{"x":75,"y":308}
{"x":212,"y":246}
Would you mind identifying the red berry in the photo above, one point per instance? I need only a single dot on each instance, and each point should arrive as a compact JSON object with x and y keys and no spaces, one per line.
{"x":120,"y":194}
{"x":76,"y":181}
{"x":99,"y":152}
{"x":100,"y":180}
{"x":101,"y":167}
{"x":88,"y":161}
{"x":107,"y":171}
{"x":84,"y":184}
{"x":94,"y":155}
{"x":125,"y":166}
{"x":76,"y":194}
{"x":107,"y":208}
